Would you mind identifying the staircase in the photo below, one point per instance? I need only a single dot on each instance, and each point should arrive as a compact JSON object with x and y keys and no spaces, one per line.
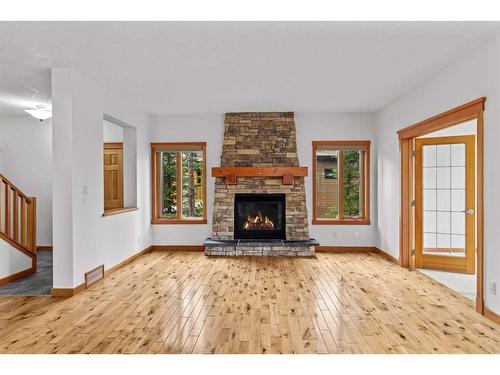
{"x":18,"y":222}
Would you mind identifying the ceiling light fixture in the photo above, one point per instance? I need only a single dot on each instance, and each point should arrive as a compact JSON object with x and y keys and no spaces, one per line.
{"x":39,"y":113}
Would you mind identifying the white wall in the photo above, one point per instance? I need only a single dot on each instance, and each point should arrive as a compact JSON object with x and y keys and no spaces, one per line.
{"x":464,"y":128}
{"x":210,"y":128}
{"x":26,"y":160}
{"x":130,"y":166}
{"x":469,"y":78}
{"x":190,"y":128}
{"x":83,"y":238}
{"x":12,"y":260}
{"x":338,"y":128}
{"x":112,"y":132}
{"x":62,"y":182}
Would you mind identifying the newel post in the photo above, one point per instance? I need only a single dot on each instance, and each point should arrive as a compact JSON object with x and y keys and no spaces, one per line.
{"x":32,"y":225}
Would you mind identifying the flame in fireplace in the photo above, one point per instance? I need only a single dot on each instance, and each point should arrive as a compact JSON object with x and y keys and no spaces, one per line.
{"x":258,"y":221}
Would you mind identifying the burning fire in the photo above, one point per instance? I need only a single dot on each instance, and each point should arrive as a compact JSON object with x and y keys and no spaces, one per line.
{"x":259,"y":221}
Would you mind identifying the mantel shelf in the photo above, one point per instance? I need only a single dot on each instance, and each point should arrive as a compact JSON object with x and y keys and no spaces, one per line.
{"x":286,"y":173}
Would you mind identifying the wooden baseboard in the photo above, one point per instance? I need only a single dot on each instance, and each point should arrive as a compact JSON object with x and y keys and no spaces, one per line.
{"x":355,"y":249}
{"x":491,"y":315}
{"x":127,"y":261}
{"x":387,"y":255}
{"x":319,"y":249}
{"x":345,"y":249}
{"x":70,"y":292}
{"x":179,"y":247}
{"x":67,"y":292}
{"x":18,"y":275}
{"x":45,"y":247}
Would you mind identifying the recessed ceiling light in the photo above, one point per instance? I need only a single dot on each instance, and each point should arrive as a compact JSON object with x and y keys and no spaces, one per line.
{"x":39,"y":113}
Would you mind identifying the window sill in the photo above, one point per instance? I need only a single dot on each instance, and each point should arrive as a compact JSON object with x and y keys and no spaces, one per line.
{"x":178,"y":221}
{"x":342,"y":222}
{"x":116,"y":211}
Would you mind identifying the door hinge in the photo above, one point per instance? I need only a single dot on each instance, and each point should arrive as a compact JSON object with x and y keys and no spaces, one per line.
{"x":412,"y":203}
{"x":412,"y":252}
{"x":412,"y":153}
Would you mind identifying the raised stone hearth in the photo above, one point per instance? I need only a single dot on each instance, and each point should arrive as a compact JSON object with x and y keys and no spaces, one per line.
{"x":262,"y":248}
{"x":260,"y":139}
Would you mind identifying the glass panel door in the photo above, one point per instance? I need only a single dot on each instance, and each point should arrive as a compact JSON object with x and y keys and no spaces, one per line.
{"x":444,"y":199}
{"x":445,"y":202}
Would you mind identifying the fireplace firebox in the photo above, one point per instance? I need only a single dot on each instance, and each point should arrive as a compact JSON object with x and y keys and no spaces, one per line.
{"x":259,"y":216}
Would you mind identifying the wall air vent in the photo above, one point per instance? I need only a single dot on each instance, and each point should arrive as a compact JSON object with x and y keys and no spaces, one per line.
{"x":94,"y":275}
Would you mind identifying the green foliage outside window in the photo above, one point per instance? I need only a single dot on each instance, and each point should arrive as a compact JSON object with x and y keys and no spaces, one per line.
{"x":351,"y":170}
{"x":192,"y":165}
{"x":351,"y":174}
{"x":330,"y":174}
{"x":169,"y":184}
{"x":191,"y":169}
{"x":333,"y":212}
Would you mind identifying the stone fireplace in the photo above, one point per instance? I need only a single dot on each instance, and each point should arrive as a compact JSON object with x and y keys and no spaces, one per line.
{"x":260,"y":202}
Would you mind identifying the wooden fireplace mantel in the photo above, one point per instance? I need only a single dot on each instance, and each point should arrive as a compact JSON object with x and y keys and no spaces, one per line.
{"x":286,"y":173}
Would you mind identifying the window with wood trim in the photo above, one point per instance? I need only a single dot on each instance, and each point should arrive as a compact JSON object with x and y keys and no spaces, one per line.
{"x":179,"y":183}
{"x":341,"y":182}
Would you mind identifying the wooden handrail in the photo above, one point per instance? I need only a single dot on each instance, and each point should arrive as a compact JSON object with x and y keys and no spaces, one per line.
{"x":19,"y":218}
{"x":12,"y":186}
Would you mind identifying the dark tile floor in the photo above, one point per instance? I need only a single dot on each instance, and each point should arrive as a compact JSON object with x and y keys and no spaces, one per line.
{"x":38,"y":284}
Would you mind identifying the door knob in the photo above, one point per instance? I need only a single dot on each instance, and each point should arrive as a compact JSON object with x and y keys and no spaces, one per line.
{"x":468,"y":211}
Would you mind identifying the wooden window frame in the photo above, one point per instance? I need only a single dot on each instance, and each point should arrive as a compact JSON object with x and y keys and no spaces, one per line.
{"x":468,"y":111}
{"x":155,"y":182}
{"x":365,"y":188}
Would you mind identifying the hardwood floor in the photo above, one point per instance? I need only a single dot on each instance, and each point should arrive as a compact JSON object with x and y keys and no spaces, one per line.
{"x":184,"y":302}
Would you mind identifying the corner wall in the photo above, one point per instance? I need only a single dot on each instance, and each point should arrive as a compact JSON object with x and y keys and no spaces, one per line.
{"x":473,"y":76}
{"x":83,"y":238}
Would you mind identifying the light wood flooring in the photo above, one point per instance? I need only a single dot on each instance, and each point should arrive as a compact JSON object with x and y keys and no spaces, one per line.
{"x":184,"y":302}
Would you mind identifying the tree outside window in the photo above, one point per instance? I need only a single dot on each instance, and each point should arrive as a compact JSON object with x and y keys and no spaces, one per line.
{"x":341,"y":182}
{"x":179,"y":175}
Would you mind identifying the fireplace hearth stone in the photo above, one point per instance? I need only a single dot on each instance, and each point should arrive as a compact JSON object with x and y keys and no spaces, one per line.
{"x":260,"y":247}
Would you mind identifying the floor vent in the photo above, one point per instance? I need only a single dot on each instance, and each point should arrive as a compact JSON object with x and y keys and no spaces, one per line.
{"x":94,"y":275}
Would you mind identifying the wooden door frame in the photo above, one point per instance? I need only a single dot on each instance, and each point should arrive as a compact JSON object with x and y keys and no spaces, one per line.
{"x":113,"y":145}
{"x":468,"y":111}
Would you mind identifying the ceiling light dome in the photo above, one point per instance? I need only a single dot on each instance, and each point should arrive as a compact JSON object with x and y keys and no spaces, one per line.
{"x":40,"y":113}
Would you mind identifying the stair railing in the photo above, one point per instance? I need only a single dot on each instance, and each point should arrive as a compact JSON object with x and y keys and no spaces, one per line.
{"x":17,"y":217}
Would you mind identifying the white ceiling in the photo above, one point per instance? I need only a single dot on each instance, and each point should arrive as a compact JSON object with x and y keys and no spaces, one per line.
{"x":24,"y":78}
{"x":215,"y":67}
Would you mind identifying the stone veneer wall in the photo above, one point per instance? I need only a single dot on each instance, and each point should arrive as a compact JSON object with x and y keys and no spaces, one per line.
{"x":260,"y":139}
